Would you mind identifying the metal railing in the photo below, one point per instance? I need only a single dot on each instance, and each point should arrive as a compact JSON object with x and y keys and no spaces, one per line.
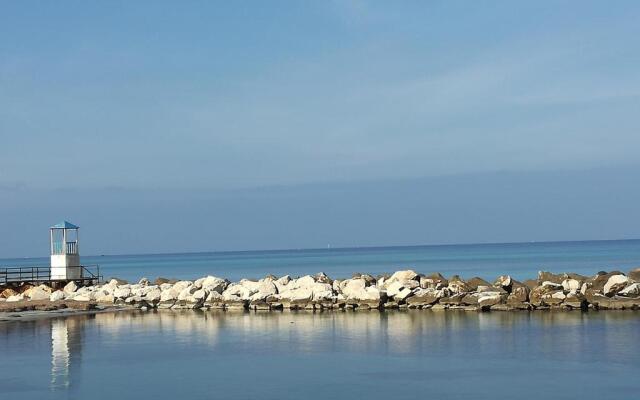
{"x":90,"y":273}
{"x":60,"y":248}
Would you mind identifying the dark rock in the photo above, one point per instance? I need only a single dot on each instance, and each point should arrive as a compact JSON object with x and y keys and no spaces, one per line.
{"x":425,"y":297}
{"x":475,"y":282}
{"x":545,"y":276}
{"x":613,"y":303}
{"x":519,"y":294}
{"x":597,"y":282}
{"x":433,"y":281}
{"x":454,"y":299}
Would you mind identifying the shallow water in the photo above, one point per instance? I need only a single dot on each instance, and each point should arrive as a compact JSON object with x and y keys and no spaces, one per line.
{"x":521,"y":260}
{"x":306,"y":355}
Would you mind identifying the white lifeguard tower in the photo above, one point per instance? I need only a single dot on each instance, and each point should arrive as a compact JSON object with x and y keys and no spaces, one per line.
{"x":65,"y":258}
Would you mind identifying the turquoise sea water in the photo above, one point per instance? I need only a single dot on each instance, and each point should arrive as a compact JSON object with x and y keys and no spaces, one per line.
{"x":521,"y":260}
{"x":305,"y":355}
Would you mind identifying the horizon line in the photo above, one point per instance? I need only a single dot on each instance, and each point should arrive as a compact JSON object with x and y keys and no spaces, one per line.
{"x":340,"y":248}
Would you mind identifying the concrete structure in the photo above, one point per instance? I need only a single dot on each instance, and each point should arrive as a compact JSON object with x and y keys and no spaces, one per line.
{"x":65,"y":256}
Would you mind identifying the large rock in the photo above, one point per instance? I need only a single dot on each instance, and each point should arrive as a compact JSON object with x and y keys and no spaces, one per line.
{"x":369,"y":296}
{"x":543,"y":295}
{"x":153,"y":296}
{"x":433,"y":281}
{"x":634,"y":274}
{"x":214,"y":300}
{"x":212,"y":284}
{"x":8,"y":292}
{"x":70,"y":287}
{"x":423,"y":297}
{"x":350,"y":287}
{"x":632,"y":290}
{"x":122,"y":292}
{"x":489,"y":299}
{"x":575,"y":300}
{"x":505,"y":282}
{"x":57,"y":295}
{"x":545,"y":276}
{"x":613,"y":303}
{"x":597,"y":282}
{"x":38,"y":293}
{"x":571,"y":285}
{"x":457,"y":285}
{"x":518,"y":295}
{"x":15,"y":297}
{"x":615,"y":284}
{"x":282,"y":282}
{"x":476,"y":282}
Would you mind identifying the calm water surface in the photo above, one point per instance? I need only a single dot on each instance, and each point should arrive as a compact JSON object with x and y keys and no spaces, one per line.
{"x":521,"y":260}
{"x":377,"y":355}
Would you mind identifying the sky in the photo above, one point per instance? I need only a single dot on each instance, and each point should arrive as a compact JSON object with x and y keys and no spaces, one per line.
{"x":202,"y":126}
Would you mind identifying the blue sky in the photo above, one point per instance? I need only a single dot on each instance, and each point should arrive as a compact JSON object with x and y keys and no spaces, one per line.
{"x":126,"y":100}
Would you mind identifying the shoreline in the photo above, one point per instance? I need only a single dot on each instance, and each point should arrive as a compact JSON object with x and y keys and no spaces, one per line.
{"x":401,"y":290}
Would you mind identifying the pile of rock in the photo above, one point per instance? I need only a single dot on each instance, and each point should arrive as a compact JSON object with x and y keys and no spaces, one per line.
{"x":403,"y":289}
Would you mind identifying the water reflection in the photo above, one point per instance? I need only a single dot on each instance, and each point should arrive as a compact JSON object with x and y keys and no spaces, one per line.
{"x":66,"y":350}
{"x":77,"y":351}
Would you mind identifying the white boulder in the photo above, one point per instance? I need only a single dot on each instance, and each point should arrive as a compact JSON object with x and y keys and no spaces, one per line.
{"x":57,"y":295}
{"x":70,"y":287}
{"x":631,"y":290}
{"x":615,"y":284}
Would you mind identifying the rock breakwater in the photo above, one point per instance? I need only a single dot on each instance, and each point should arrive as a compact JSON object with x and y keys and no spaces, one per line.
{"x":403,"y":289}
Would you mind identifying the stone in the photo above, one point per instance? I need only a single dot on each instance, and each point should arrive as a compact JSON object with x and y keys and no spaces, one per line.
{"x":38,"y":293}
{"x":153,"y":296}
{"x":575,"y":300}
{"x":122,"y":292}
{"x":321,"y":277}
{"x":518,"y":294}
{"x":83,"y":297}
{"x":504,"y":281}
{"x":212,"y":284}
{"x":634,"y":274}
{"x":458,"y":285}
{"x":70,"y":287}
{"x":489,"y":299}
{"x":15,"y":297}
{"x":614,"y":303}
{"x":571,"y":285}
{"x":160,"y":281}
{"x":542,"y":295}
{"x":476,"y":282}
{"x":403,"y":294}
{"x":8,"y":292}
{"x":544,"y":276}
{"x":57,"y":295}
{"x":143,"y":282}
{"x":433,"y":281}
{"x":632,"y":290}
{"x":598,"y":282}
{"x":615,"y":284}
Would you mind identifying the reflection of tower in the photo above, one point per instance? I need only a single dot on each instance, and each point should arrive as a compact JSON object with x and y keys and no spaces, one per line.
{"x":66,"y":346}
{"x":60,"y":357}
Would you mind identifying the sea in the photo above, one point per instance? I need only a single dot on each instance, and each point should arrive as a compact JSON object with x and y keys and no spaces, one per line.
{"x":407,"y":354}
{"x":488,"y":261}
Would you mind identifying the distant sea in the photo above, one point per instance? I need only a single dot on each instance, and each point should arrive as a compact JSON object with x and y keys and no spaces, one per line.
{"x":520,"y":260}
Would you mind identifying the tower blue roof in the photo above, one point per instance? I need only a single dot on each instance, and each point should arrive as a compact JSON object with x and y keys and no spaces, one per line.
{"x":64,"y":225}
